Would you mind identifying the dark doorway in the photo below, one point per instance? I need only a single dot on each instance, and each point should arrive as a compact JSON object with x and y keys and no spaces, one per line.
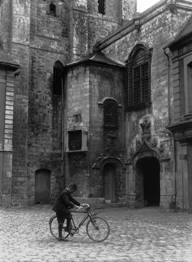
{"x":148,"y":173}
{"x":109,"y":173}
{"x":42,"y":186}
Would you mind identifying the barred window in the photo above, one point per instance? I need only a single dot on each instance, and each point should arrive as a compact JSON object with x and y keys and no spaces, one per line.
{"x":110,"y":114}
{"x":139,"y":78}
{"x":101,"y":6}
{"x":75,"y":140}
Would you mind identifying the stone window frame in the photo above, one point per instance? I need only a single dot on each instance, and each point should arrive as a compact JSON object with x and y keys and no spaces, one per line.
{"x":187,"y":66}
{"x":138,"y":65}
{"x":75,"y":140}
{"x":84,"y":140}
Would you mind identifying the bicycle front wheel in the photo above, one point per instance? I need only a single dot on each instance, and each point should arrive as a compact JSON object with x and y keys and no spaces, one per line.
{"x":97,"y":229}
{"x":53,"y":227}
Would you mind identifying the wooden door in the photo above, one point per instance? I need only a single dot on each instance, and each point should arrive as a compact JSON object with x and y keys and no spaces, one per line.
{"x":109,"y":183}
{"x":42,"y":187}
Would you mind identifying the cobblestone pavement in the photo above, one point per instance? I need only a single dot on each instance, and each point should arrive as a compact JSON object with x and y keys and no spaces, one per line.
{"x":142,"y":235}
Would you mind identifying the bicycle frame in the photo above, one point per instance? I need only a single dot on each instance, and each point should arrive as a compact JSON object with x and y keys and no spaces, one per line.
{"x":84,"y":219}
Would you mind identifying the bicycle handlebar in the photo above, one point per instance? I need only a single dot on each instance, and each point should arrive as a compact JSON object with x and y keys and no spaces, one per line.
{"x":85,"y":205}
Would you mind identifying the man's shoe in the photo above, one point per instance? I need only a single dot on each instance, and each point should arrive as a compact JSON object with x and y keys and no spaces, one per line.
{"x":62,"y":239}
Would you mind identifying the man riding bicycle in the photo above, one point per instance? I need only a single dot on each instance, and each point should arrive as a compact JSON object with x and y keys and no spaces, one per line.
{"x":62,"y":208}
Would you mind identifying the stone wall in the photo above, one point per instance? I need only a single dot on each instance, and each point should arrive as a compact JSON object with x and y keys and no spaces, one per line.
{"x":87,"y":88}
{"x":105,"y":82}
{"x":77,"y":115}
{"x":89,"y":26}
{"x":154,"y":32}
{"x":180,"y":56}
{"x":38,"y":41}
{"x":7,"y":79}
{"x":5,"y":24}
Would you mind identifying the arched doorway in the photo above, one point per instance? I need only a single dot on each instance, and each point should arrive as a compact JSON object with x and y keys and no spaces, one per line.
{"x":42,"y":186}
{"x":109,"y":175}
{"x":148,"y":181}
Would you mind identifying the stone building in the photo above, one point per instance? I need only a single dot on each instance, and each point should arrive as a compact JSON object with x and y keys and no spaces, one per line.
{"x":180,"y":59}
{"x":86,"y":98}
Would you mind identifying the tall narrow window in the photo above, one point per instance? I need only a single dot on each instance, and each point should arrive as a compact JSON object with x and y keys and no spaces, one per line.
{"x":189,"y":87}
{"x":138,"y":87}
{"x":58,"y":75}
{"x":52,"y":9}
{"x":2,"y":105}
{"x":110,"y":114}
{"x":101,"y":6}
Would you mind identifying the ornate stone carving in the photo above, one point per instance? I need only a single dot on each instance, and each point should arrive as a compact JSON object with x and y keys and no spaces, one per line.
{"x":145,"y":125}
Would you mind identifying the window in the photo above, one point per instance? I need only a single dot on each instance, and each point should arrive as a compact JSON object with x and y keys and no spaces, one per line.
{"x":75,"y":140}
{"x":110,"y":114}
{"x":52,"y":9}
{"x":189,"y":87}
{"x":2,"y":105}
{"x":58,"y":75}
{"x":187,"y":71}
{"x":101,"y":6}
{"x":138,"y":87}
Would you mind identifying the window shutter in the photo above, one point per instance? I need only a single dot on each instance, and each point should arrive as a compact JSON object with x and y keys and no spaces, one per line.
{"x":110,"y":114}
{"x":145,"y":87}
{"x":2,"y":105}
{"x":129,"y":86}
{"x":189,"y":87}
{"x":136,"y":86}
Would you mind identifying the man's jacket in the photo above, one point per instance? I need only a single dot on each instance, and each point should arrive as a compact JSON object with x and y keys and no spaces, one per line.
{"x":65,"y":201}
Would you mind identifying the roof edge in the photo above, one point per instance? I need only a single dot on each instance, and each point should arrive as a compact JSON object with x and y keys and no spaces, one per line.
{"x":90,"y":60}
{"x":11,"y":66}
{"x":142,"y":18}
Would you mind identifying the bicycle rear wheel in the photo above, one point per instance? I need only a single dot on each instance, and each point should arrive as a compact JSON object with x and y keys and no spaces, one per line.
{"x":97,"y":229}
{"x":53,"y":227}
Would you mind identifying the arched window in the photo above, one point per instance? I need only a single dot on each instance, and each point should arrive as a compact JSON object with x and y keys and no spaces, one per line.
{"x":110,"y":114}
{"x":139,"y":78}
{"x":101,"y":6}
{"x":52,"y":9}
{"x":58,"y":75}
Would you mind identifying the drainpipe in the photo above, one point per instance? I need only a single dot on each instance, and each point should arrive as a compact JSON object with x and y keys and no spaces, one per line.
{"x":167,"y":53}
{"x":62,"y":127}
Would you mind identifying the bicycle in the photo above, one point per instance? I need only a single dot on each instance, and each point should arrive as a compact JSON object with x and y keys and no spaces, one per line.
{"x":97,"y":228}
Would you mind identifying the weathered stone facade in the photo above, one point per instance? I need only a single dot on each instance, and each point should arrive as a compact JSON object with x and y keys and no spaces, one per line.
{"x":180,"y":59}
{"x":153,"y":29}
{"x":72,"y":118}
